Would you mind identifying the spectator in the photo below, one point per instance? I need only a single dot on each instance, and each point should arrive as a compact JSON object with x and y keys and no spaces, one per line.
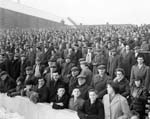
{"x":60,"y":100}
{"x":122,"y":82}
{"x":138,"y":97}
{"x":92,"y":108}
{"x":115,"y":105}
{"x":100,"y":80}
{"x":76,"y":102}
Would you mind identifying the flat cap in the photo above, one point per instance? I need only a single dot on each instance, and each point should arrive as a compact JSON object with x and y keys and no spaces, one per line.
{"x":29,"y":68}
{"x":102,"y":66}
{"x":74,"y":69}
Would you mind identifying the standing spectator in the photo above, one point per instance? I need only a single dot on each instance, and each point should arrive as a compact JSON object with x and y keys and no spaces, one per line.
{"x":140,"y":70}
{"x":99,"y":81}
{"x":75,"y":102}
{"x":122,"y":82}
{"x":86,"y":71}
{"x":92,"y":108}
{"x":127,"y":61}
{"x":138,"y":98}
{"x":113,"y":62}
{"x":115,"y":105}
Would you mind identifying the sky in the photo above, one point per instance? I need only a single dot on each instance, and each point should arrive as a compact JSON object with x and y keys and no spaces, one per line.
{"x":96,"y":11}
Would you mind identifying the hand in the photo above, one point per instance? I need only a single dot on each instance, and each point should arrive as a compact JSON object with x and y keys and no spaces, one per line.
{"x":60,"y":104}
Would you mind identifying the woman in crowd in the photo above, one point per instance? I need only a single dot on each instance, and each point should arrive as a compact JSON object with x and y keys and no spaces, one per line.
{"x":75,"y":102}
{"x":122,"y":82}
{"x":92,"y":108}
{"x":140,"y":70}
{"x":115,"y":105}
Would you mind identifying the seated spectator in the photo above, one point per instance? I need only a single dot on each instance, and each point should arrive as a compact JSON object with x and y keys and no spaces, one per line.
{"x":138,"y":97}
{"x":122,"y":82}
{"x":92,"y":108}
{"x":29,"y":89}
{"x":17,"y":91}
{"x":75,"y":102}
{"x":42,"y":90}
{"x":6,"y":82}
{"x":61,"y":99}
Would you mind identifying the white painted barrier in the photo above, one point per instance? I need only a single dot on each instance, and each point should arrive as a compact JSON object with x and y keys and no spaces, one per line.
{"x":29,"y":110}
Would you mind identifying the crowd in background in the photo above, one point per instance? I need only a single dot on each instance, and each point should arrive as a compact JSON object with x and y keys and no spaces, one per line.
{"x":102,"y":72}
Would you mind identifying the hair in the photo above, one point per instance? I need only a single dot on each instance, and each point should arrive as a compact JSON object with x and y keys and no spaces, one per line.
{"x":92,"y":90}
{"x":74,"y":89}
{"x":43,"y":79}
{"x":114,"y":85}
{"x":120,"y":70}
{"x":29,"y":82}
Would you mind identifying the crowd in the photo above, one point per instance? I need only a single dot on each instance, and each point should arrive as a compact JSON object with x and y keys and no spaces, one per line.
{"x":102,"y":72}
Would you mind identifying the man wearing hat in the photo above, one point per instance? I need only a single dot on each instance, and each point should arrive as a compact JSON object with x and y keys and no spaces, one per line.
{"x":86,"y":71}
{"x":30,"y":75}
{"x":114,"y":61}
{"x":73,"y":79}
{"x":66,"y":69}
{"x":82,"y":85}
{"x":99,"y":81}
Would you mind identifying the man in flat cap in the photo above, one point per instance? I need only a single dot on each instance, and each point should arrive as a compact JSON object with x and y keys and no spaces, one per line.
{"x":66,"y":69}
{"x":86,"y":71}
{"x":99,"y":81}
{"x":82,"y":85}
{"x":73,"y":79}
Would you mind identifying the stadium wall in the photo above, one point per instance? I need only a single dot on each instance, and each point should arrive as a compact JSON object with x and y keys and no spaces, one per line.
{"x":16,"y":15}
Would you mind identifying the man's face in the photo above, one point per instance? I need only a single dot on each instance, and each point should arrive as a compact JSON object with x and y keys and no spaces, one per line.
{"x":41,"y":82}
{"x":28,"y":72}
{"x":55,"y":76}
{"x":60,"y":92}
{"x":75,"y":73}
{"x":92,"y":96}
{"x":101,"y":71}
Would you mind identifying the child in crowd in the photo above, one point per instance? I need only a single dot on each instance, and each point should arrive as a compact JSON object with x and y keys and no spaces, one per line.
{"x":60,"y":100}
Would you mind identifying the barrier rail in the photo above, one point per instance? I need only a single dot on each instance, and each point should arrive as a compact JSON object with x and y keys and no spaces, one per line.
{"x":29,"y":110}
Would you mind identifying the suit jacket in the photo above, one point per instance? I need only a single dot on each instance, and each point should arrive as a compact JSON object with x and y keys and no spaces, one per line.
{"x":118,"y":108}
{"x":143,"y":73}
{"x":91,"y":111}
